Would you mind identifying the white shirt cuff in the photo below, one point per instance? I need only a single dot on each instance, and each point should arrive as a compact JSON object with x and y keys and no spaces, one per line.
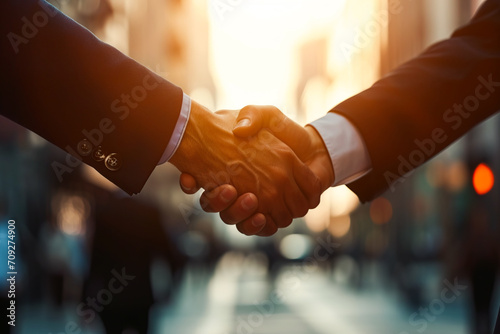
{"x":350,"y":158}
{"x":179,"y":129}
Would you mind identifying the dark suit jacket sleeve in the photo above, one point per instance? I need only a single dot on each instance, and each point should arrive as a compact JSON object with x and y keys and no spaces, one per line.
{"x":60,"y":81}
{"x":427,"y":103}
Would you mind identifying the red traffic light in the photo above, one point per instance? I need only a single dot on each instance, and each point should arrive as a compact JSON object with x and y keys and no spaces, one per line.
{"x":483,"y":179}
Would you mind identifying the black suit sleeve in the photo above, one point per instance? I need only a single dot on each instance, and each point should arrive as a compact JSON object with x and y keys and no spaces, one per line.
{"x":61,"y":82}
{"x":427,"y":103}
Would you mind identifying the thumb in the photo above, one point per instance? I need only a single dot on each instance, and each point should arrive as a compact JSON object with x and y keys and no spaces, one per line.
{"x":251,"y":119}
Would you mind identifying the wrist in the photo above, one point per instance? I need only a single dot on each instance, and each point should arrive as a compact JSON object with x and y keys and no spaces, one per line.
{"x":320,"y":161}
{"x":188,"y":146}
{"x":208,"y":150}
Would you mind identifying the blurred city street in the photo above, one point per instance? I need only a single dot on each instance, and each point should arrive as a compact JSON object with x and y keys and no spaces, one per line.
{"x":237,"y":298}
{"x":241,"y":304}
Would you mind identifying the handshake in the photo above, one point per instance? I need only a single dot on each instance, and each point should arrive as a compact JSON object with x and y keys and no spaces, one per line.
{"x":259,"y":169}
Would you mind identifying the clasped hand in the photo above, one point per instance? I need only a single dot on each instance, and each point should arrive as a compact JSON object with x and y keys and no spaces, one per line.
{"x":258,"y":155}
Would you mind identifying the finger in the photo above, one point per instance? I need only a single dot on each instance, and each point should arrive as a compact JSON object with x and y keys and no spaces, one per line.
{"x":296,"y":202}
{"x":253,"y":118}
{"x":252,"y":225}
{"x":269,"y":229}
{"x":308,"y":183}
{"x":188,"y":184}
{"x":281,"y":217}
{"x":242,"y":209}
{"x":219,"y":198}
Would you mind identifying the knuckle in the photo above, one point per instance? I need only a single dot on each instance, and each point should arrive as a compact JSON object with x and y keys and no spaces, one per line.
{"x":206,"y":204}
{"x":228,"y":217}
{"x":287,"y":154}
{"x":272,"y":193}
{"x":297,"y":203}
{"x":314,"y":201}
{"x":301,"y":211}
{"x":286,"y":222}
{"x":315,"y":197}
{"x":316,"y":184}
{"x":281,"y":176}
{"x":248,"y":110}
{"x":274,"y":110}
{"x":249,"y":107}
{"x":244,"y":229}
{"x":264,"y":138}
{"x":268,"y":231}
{"x":283,"y":219}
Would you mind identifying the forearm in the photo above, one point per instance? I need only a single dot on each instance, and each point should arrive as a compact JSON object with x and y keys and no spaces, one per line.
{"x":437,"y":97}
{"x":64,"y":84}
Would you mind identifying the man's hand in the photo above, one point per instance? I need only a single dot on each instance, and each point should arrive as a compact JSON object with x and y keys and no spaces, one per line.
{"x":305,"y":142}
{"x":260,"y":165}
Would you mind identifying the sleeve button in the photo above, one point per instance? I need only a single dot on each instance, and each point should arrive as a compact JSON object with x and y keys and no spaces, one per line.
{"x":98,"y":154}
{"x":113,"y":162}
{"x":84,"y":147}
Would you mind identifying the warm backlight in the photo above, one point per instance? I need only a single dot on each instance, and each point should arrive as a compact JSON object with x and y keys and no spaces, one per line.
{"x":483,"y":179}
{"x":381,"y":211}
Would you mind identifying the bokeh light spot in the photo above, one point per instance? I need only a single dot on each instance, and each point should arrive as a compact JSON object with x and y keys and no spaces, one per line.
{"x":340,"y":226}
{"x":483,"y":179}
{"x":381,"y":211}
{"x":295,"y":246}
{"x":457,"y":176}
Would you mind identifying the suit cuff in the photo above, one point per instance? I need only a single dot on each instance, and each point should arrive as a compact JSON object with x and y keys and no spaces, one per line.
{"x":180,"y":127}
{"x":350,"y":158}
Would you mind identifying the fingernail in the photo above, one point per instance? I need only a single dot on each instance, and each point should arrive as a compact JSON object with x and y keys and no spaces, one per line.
{"x":186,"y":188}
{"x":258,"y":220}
{"x":248,"y":203}
{"x":243,"y":123}
{"x":227,"y":195}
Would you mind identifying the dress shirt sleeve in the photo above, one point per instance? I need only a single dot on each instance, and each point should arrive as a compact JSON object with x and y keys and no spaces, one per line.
{"x":178,"y":133}
{"x":350,"y":158}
